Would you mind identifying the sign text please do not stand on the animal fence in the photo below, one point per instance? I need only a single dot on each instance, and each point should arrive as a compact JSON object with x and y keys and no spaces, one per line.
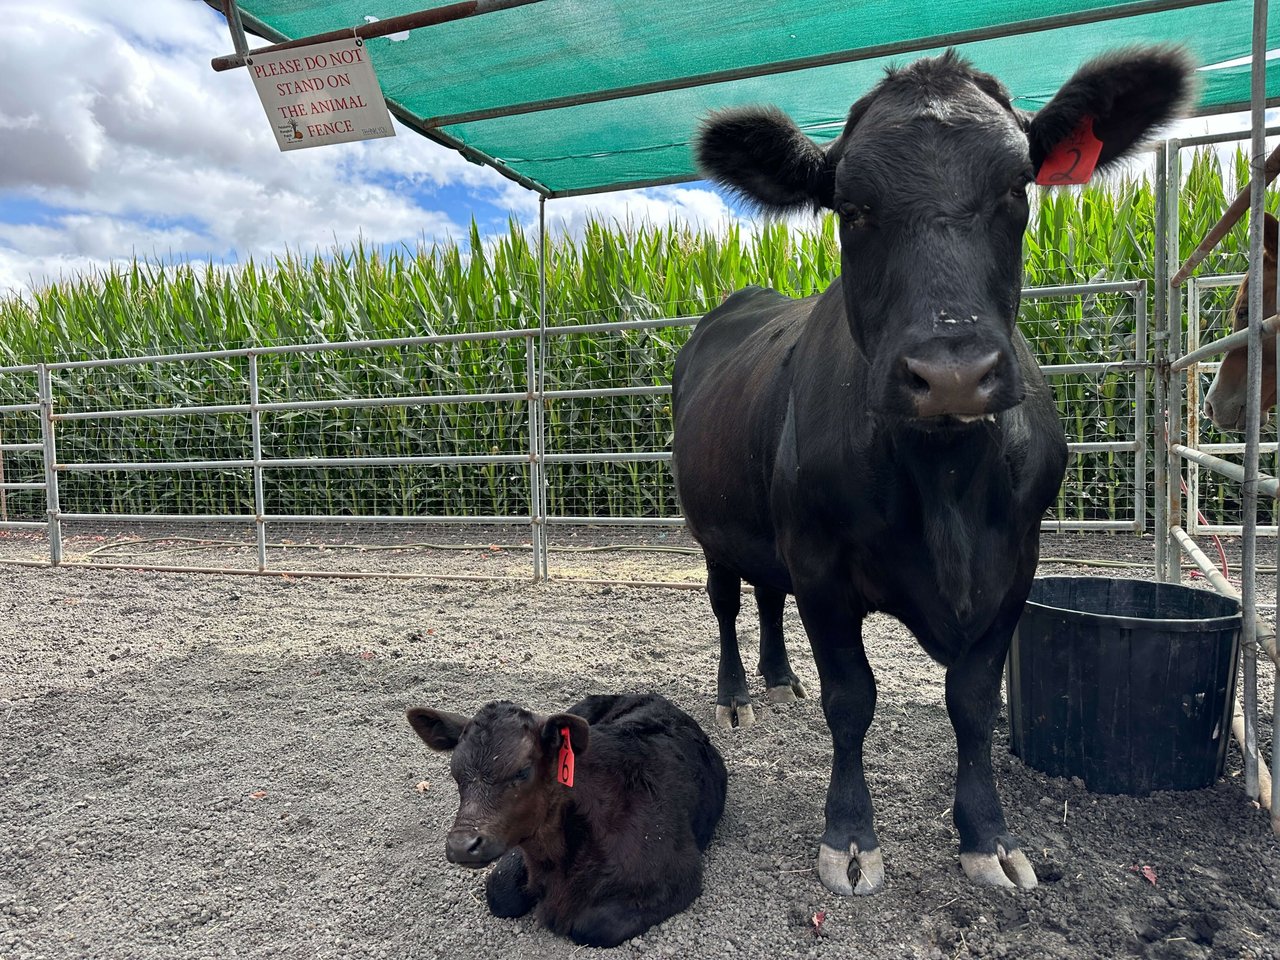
{"x":325,"y":93}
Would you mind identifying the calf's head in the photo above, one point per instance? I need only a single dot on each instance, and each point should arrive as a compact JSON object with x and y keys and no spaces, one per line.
{"x":929,"y":180}
{"x":505,"y":761}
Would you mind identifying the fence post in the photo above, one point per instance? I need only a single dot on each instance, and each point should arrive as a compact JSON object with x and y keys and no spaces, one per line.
{"x":255,"y":430}
{"x":1140,"y":411}
{"x":1173,"y":306}
{"x":1162,"y":358}
{"x":1253,"y":406}
{"x":540,"y":554}
{"x":535,"y":471}
{"x":52,"y":507}
{"x":4,"y":501}
{"x":1191,"y":509}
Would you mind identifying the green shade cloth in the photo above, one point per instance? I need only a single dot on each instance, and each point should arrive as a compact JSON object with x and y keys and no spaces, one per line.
{"x":505,"y":64}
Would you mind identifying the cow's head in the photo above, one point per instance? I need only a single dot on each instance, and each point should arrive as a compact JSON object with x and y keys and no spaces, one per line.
{"x":1224,"y":404}
{"x":505,"y":763}
{"x":929,"y":180}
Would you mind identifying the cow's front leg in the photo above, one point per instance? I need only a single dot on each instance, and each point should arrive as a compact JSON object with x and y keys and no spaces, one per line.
{"x":849,"y":858}
{"x":988,"y":854}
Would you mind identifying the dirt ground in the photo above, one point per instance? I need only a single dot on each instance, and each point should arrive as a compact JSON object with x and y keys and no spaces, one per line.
{"x":212,"y":766}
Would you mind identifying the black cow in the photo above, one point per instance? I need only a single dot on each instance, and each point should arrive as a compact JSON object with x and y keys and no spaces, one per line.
{"x":597,"y":816}
{"x":890,"y":444}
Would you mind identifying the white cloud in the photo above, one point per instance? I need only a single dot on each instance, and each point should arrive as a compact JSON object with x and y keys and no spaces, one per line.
{"x":111,"y":115}
{"x":118,"y":140}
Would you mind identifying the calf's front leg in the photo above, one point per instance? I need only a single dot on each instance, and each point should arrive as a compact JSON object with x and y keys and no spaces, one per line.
{"x":506,"y":889}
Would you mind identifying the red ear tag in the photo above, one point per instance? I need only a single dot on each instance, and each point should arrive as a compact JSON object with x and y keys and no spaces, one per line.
{"x":565,"y":774}
{"x":1071,"y":161}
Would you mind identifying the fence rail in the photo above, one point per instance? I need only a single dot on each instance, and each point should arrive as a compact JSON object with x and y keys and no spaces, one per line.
{"x":235,"y":447}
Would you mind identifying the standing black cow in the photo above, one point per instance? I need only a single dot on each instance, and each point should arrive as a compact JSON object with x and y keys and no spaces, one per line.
{"x":890,"y":444}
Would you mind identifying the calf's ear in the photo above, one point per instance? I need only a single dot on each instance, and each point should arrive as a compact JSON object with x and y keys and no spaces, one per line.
{"x":1270,"y":234}
{"x":760,"y":154}
{"x":1108,"y":107}
{"x":579,"y":732}
{"x":438,"y":730}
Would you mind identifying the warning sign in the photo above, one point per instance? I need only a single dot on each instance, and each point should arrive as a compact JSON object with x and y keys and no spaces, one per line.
{"x":326,"y":93}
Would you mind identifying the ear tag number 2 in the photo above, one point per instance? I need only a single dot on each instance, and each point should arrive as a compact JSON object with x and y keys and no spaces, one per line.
{"x":565,"y":765}
{"x":1071,"y":161}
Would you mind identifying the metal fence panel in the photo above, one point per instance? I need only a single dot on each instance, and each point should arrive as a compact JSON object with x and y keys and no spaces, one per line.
{"x":547,"y":430}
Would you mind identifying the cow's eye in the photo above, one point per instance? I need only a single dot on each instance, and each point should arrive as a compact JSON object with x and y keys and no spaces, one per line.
{"x":856,"y":214}
{"x":523,"y":775}
{"x":1019,"y":189}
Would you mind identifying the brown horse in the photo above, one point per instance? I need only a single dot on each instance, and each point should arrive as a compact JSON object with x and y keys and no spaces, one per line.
{"x":1224,"y":404}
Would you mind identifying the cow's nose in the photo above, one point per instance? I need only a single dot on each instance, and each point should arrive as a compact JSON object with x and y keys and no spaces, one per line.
{"x":469,"y":848}
{"x":952,"y":385}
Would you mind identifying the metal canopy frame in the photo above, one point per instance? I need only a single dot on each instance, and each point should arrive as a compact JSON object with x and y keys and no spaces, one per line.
{"x":433,"y":126}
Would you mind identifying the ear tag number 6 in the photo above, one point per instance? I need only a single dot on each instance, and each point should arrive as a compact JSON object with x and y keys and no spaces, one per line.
{"x":565,"y":764}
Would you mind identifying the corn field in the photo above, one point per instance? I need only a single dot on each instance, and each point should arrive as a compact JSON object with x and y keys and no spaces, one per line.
{"x":612,"y":273}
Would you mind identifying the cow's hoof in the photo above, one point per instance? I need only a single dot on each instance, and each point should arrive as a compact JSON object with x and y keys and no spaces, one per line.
{"x":834,"y":867}
{"x":786,"y":692}
{"x":1004,"y":868}
{"x":739,"y":715}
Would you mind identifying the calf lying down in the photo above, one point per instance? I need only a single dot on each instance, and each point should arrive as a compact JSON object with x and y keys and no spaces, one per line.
{"x":598,"y":816}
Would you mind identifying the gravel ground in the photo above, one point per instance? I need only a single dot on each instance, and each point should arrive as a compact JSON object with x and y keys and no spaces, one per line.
{"x":196,"y":765}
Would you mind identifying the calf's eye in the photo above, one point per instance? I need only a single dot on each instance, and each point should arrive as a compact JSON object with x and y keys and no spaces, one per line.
{"x":523,"y":775}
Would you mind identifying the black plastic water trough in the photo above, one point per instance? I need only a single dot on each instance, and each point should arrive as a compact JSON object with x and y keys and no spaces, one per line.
{"x":1126,"y":684}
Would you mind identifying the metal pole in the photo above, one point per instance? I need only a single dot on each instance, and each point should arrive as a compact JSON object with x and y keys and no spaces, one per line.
{"x":1260,"y":177}
{"x":52,"y":507}
{"x":542,"y":532}
{"x":382,"y":28}
{"x":1173,"y":344}
{"x":259,"y":499}
{"x":1162,"y":374}
{"x":1274,"y":792}
{"x":1231,"y":341}
{"x":4,"y":503}
{"x":1226,"y":136}
{"x":1140,"y":416}
{"x":1248,"y":573}
{"x":236,"y":25}
{"x":1267,"y":486}
{"x":1192,"y":469}
{"x":535,"y":472}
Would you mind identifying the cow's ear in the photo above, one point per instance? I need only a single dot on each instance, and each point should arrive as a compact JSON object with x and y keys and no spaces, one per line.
{"x":438,"y":730}
{"x":579,"y":732}
{"x":760,"y":154}
{"x":1106,"y":109}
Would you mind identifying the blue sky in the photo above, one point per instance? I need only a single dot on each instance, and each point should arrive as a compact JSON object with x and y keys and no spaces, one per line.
{"x":118,"y":140}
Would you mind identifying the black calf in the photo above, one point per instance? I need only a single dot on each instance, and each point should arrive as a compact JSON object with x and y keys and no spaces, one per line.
{"x":597,"y":817}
